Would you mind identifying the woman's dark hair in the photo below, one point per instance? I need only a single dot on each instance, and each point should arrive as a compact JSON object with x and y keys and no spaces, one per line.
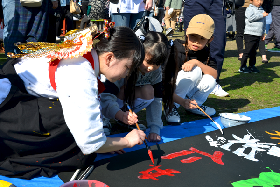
{"x":123,"y":43}
{"x":155,"y":45}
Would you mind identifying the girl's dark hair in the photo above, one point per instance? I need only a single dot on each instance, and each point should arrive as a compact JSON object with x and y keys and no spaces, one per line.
{"x":169,"y":75}
{"x":156,"y":46}
{"x":123,"y":43}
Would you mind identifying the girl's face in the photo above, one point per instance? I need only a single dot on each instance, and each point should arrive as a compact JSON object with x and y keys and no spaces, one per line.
{"x":117,"y":69}
{"x":257,"y":3}
{"x":196,"y":42}
{"x":145,"y":67}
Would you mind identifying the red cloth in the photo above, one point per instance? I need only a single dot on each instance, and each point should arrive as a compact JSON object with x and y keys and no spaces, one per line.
{"x":53,"y":66}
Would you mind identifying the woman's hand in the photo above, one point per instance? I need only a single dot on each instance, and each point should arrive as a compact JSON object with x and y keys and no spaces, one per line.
{"x":189,"y":65}
{"x":153,"y":137}
{"x":135,"y":137}
{"x":129,"y":118}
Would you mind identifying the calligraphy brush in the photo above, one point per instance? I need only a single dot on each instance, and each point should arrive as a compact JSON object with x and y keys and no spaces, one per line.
{"x":149,"y":149}
{"x":217,"y":124}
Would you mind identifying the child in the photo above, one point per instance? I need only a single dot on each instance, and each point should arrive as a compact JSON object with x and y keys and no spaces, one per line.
{"x":197,"y":74}
{"x":148,"y":90}
{"x":255,"y":24}
{"x":49,"y":108}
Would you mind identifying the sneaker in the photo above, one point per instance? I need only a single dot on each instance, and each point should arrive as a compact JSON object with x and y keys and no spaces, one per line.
{"x":218,"y":91}
{"x":253,"y":69}
{"x":173,"y":116}
{"x":244,"y":70}
{"x":207,"y":110}
{"x":57,"y":38}
{"x":106,"y":126}
{"x":169,"y":32}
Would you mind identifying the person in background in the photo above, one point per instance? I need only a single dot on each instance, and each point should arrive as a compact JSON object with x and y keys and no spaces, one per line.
{"x":158,"y":10}
{"x":240,"y":26}
{"x":255,"y":24}
{"x":64,"y":12}
{"x":97,"y":9}
{"x":172,"y":13}
{"x":274,"y":31}
{"x":24,"y":24}
{"x":128,"y":13}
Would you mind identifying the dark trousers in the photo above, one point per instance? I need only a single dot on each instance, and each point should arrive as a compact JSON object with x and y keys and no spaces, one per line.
{"x":251,"y":44}
{"x":64,"y":13}
{"x":274,"y":30}
{"x":240,"y":26}
{"x":216,"y":10}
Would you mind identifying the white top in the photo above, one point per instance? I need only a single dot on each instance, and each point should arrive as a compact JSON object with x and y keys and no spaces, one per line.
{"x":77,"y":90}
{"x":127,"y":6}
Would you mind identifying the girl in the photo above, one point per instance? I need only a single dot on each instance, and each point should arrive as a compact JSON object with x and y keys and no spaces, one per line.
{"x":148,"y":90}
{"x":49,"y":108}
{"x":197,"y":75}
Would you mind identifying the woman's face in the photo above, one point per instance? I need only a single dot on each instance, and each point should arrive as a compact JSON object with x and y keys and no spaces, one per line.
{"x":145,"y":67}
{"x":196,"y":42}
{"x":118,"y":69}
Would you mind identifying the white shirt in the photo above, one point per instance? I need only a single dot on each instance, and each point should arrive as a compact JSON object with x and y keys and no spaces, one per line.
{"x":77,"y":90}
{"x":127,"y":6}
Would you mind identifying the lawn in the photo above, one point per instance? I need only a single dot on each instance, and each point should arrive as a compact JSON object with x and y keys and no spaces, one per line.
{"x":248,"y":92}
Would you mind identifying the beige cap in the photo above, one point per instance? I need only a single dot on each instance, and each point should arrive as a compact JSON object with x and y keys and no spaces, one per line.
{"x":201,"y":24}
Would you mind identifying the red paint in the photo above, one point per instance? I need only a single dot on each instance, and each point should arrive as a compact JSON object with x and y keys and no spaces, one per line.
{"x":151,"y":155}
{"x":75,"y":185}
{"x":191,"y":159}
{"x":176,"y":154}
{"x":159,"y":172}
{"x":216,"y":157}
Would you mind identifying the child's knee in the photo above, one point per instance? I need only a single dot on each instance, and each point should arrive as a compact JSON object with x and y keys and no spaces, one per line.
{"x":207,"y":83}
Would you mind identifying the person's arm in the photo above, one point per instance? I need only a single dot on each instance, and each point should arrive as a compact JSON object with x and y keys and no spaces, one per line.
{"x":132,"y":138}
{"x":252,"y":16}
{"x":186,"y":103}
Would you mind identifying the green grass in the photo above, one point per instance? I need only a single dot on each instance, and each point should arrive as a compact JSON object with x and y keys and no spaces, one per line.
{"x":248,"y":92}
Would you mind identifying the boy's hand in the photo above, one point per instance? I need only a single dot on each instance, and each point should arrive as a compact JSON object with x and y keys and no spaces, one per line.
{"x":189,"y":65}
{"x":129,"y":118}
{"x":189,"y":104}
{"x":153,"y":137}
{"x":265,"y":14}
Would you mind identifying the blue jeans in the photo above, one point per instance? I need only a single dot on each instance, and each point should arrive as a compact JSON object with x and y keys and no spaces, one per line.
{"x":8,"y":14}
{"x":126,"y":19}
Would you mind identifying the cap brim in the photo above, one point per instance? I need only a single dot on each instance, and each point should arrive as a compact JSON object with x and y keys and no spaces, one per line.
{"x":206,"y":34}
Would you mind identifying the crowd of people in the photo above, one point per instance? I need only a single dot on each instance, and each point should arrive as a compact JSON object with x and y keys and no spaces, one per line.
{"x":54,"y":110}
